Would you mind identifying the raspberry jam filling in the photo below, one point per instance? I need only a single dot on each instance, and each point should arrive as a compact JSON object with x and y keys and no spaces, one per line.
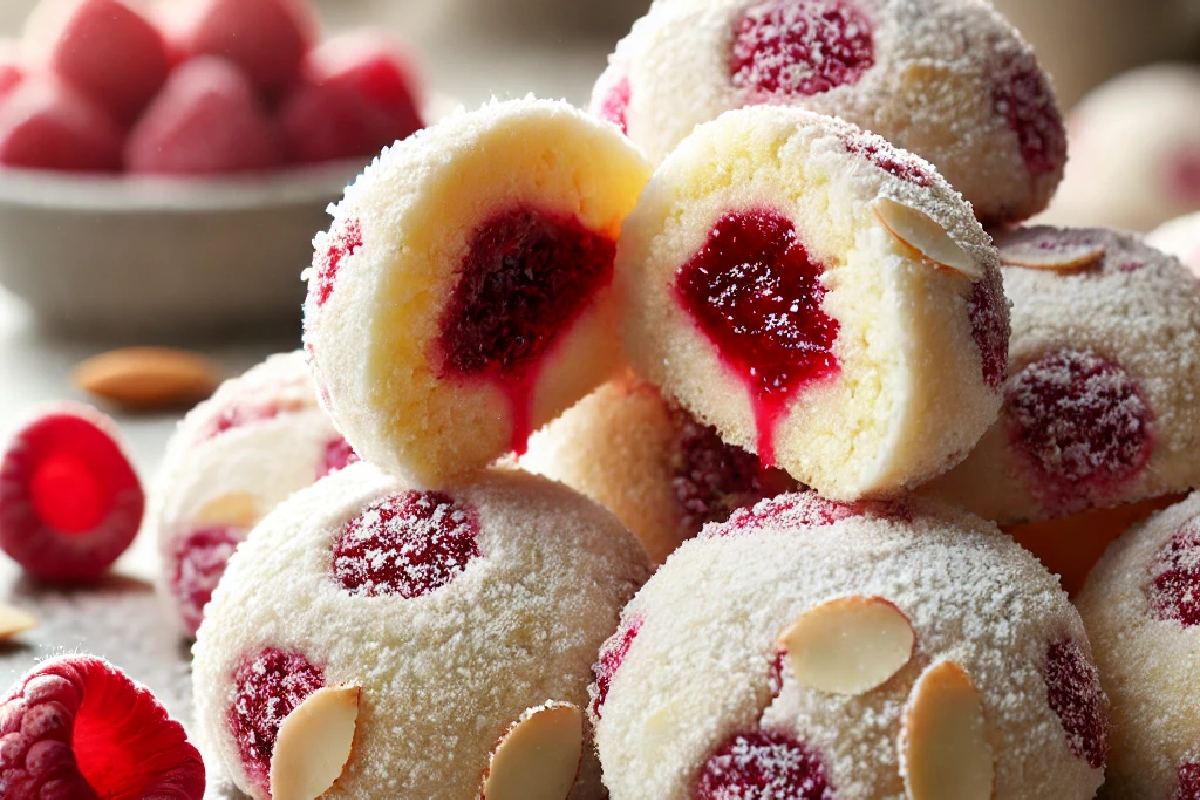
{"x":269,"y":687}
{"x":755,"y":293}
{"x":337,"y":456}
{"x":612,"y":655}
{"x":763,"y":764}
{"x":197,"y":563}
{"x":1083,"y":426}
{"x":1175,"y":591}
{"x":77,"y":728}
{"x":785,"y":48}
{"x":614,"y":106}
{"x":713,"y":479}
{"x":1022,"y":95}
{"x":340,"y":244}
{"x":529,"y":275}
{"x":884,"y":155}
{"x":1073,"y":684}
{"x":408,"y":545}
{"x":1189,"y":782}
{"x":808,"y":510}
{"x":990,"y":326}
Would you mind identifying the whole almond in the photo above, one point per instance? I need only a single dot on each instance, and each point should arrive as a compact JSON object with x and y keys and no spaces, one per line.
{"x":148,"y":378}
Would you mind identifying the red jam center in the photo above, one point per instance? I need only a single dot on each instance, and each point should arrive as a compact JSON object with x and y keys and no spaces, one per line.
{"x":77,"y":728}
{"x":1175,"y":592}
{"x":612,"y":655}
{"x":408,"y":545}
{"x":1022,"y":95}
{"x":1083,"y":425}
{"x":713,"y":479}
{"x":1073,"y":684}
{"x":198,"y":562}
{"x":801,"y":47}
{"x":339,"y":244}
{"x":1189,"y":782}
{"x":763,"y":764}
{"x":756,"y":295}
{"x":614,"y":106}
{"x":269,"y":688}
{"x":337,"y":456}
{"x":68,"y":495}
{"x":528,"y":276}
{"x":987,"y":308}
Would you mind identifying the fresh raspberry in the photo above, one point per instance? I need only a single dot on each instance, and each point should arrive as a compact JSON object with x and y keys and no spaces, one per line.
{"x":1189,"y":782}
{"x":77,"y":728}
{"x":801,"y":47}
{"x":1022,"y":95}
{"x":712,"y":479}
{"x":343,"y":241}
{"x":888,"y":158}
{"x":70,"y":501}
{"x":755,"y":293}
{"x":612,"y":655}
{"x":1073,"y":684}
{"x":408,"y":544}
{"x":990,"y":329}
{"x":528,"y":276}
{"x":1083,"y":426}
{"x":1175,"y":592}
{"x":269,"y":687}
{"x":760,"y":765}
{"x":614,"y":106}
{"x":338,"y":455}
{"x":197,"y":563}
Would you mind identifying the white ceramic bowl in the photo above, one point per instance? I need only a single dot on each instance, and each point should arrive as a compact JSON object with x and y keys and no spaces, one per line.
{"x":127,"y":257}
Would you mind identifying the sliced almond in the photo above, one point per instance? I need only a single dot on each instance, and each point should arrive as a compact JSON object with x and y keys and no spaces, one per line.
{"x":148,"y":378}
{"x":236,"y":509}
{"x":538,"y":757}
{"x":945,"y":752}
{"x":1061,"y":251}
{"x":850,"y":645}
{"x":314,"y":744}
{"x":14,"y":621}
{"x":920,"y":232}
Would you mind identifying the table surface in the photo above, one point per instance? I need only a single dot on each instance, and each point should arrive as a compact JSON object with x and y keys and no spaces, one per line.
{"x":121,"y":618}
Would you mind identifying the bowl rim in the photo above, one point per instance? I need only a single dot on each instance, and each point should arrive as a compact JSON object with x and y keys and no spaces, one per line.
{"x":49,"y":190}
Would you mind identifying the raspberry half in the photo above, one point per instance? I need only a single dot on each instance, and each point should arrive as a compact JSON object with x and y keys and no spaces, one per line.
{"x":269,"y":687}
{"x":70,"y":500}
{"x":77,"y":728}
{"x":1073,"y":684}
{"x":408,"y":544}
{"x":755,"y":293}
{"x":801,"y":47}
{"x":1083,"y":426}
{"x":612,"y":655}
{"x":763,"y":764}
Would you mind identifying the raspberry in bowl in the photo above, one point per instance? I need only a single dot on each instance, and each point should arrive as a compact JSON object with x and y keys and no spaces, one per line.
{"x":463,"y":622}
{"x":258,"y":439}
{"x":822,"y":299}
{"x":975,"y":104}
{"x":811,"y":650}
{"x":464,"y":295}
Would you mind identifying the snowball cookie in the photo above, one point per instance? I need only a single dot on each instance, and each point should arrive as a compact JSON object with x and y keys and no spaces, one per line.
{"x":950,"y":80}
{"x":1100,"y":407}
{"x":810,"y":650}
{"x":1141,"y":607}
{"x":450,"y":616}
{"x":236,"y":456}
{"x":822,"y":299}
{"x":1181,"y":238}
{"x":1135,"y":152}
{"x":463,"y":297}
{"x":660,"y":470}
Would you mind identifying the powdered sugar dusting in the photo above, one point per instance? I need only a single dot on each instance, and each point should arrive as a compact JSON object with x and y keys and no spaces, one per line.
{"x":341,"y":243}
{"x":753,"y":766}
{"x":408,"y":544}
{"x":804,"y":509}
{"x":801,"y":47}
{"x":890,"y":159}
